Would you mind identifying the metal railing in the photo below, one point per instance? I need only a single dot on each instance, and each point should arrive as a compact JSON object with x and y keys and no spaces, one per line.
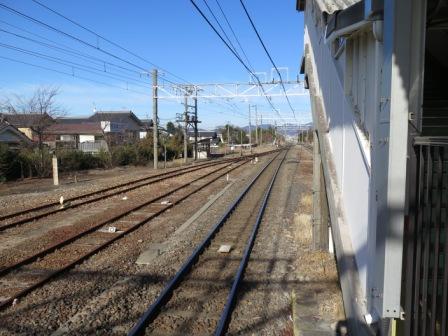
{"x":426,"y":247}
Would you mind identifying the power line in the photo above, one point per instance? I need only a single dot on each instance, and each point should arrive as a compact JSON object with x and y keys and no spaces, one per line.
{"x":233,"y":33}
{"x":219,"y":24}
{"x":233,"y":52}
{"x":106,"y":39}
{"x":71,"y":75}
{"x":72,"y":65}
{"x":62,"y":47}
{"x":59,"y":31}
{"x":269,"y":56}
{"x":23,"y":15}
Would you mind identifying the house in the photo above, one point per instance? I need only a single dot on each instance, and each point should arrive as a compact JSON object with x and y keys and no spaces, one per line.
{"x":146,"y":126}
{"x":30,"y":124}
{"x":12,"y":137}
{"x":205,"y":139}
{"x":84,"y":136}
{"x":202,"y":135}
{"x":119,"y":126}
{"x":376,"y":73}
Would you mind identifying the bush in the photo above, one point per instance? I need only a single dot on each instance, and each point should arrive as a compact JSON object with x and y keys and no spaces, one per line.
{"x":144,"y":151}
{"x":72,"y":160}
{"x":124,"y":155}
{"x":38,"y":162}
{"x":9,"y":164}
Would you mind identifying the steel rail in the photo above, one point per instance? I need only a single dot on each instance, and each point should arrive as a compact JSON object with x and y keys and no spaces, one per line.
{"x":94,"y":227}
{"x":154,"y":309}
{"x":57,"y":272}
{"x":153,"y":179}
{"x":224,"y":321}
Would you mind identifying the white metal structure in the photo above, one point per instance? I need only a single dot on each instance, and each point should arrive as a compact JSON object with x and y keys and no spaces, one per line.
{"x":358,"y":64}
{"x":230,"y":90}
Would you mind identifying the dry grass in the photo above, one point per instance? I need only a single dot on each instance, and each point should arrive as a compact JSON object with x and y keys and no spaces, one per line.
{"x":306,"y":203}
{"x":317,"y":267}
{"x":304,"y":233}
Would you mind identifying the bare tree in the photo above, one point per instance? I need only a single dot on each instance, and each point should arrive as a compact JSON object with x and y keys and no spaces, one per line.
{"x":36,"y":112}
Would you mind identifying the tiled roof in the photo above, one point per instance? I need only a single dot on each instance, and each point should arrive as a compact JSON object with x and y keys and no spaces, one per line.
{"x":27,"y":119}
{"x":128,"y":118}
{"x":19,"y":136}
{"x":208,"y":134}
{"x":81,"y":128}
{"x":72,"y":120}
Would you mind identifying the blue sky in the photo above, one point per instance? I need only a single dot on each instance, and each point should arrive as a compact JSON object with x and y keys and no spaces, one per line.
{"x":169,"y":33}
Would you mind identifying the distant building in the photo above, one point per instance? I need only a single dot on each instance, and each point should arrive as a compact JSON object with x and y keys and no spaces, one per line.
{"x":30,"y":124}
{"x":202,"y":135}
{"x":119,"y":126}
{"x":87,"y":136}
{"x":144,"y":129}
{"x":12,"y":137}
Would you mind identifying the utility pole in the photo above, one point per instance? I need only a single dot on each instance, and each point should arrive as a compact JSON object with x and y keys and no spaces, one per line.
{"x":261,"y":129}
{"x":195,"y":99}
{"x":275,"y":132}
{"x":155,"y":135}
{"x":256,"y":124}
{"x":186,"y":130}
{"x":228,"y":134}
{"x":241,"y":142}
{"x":250,"y":132}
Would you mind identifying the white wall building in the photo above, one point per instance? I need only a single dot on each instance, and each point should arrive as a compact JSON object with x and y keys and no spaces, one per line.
{"x":363,"y":63}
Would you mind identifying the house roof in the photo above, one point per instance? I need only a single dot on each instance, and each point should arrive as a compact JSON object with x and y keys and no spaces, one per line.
{"x":202,"y":134}
{"x":92,"y":128}
{"x":26,"y":120}
{"x":127,"y":118}
{"x":15,"y":136}
{"x":146,"y":123}
{"x":72,"y":120}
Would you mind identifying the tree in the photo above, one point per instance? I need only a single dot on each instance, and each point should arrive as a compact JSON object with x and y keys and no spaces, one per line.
{"x":38,"y":111}
{"x":170,"y":127}
{"x":234,"y":133}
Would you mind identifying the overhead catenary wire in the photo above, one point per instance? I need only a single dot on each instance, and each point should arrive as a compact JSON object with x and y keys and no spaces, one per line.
{"x":79,"y":40}
{"x":59,"y":31}
{"x":71,"y":75}
{"x":60,"y":47}
{"x":269,"y":56}
{"x":222,"y":29}
{"x":233,"y":33}
{"x":236,"y":55}
{"x":108,"y":40}
{"x":73,"y":65}
{"x":126,"y":49}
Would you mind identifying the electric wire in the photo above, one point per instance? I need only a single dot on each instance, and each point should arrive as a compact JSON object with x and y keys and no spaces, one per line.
{"x":71,"y":64}
{"x":233,"y":33}
{"x":107,"y":40}
{"x":62,"y":48}
{"x":71,"y":75}
{"x":239,"y":59}
{"x":129,"y":51}
{"x":222,"y":29}
{"x":59,"y":31}
{"x":269,"y":56}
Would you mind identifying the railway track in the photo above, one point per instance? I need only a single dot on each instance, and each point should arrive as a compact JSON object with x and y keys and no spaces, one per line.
{"x":24,"y":275}
{"x":200,"y":298}
{"x":23,"y":216}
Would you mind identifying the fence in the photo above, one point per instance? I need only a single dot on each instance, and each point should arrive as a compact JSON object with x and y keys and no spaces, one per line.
{"x":426,"y":248}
